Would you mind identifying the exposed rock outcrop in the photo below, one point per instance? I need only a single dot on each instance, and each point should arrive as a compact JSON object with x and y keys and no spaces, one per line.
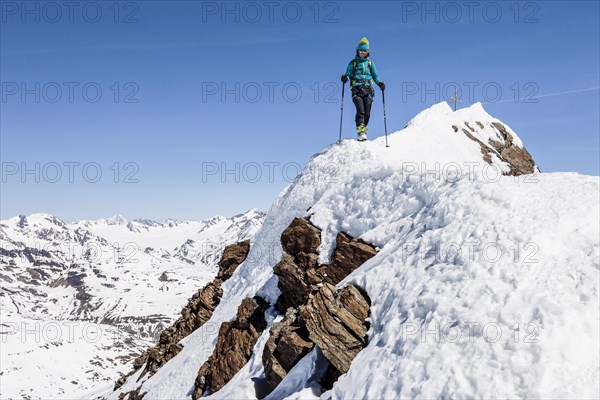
{"x":335,"y":320}
{"x":349,"y":254}
{"x":234,"y":347}
{"x":316,"y":312}
{"x":295,"y":282}
{"x":198,"y":310}
{"x":298,"y":271}
{"x":288,"y":343}
{"x":301,"y":239}
{"x":518,"y":158}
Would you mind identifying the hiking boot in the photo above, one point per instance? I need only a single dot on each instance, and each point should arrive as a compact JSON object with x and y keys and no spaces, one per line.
{"x":361,"y":133}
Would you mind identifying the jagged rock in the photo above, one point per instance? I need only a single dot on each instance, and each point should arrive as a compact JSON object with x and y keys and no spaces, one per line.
{"x":518,"y":158}
{"x":335,"y":319}
{"x":288,"y":343}
{"x":297,"y":270}
{"x":299,"y":239}
{"x":232,"y":257}
{"x":234,"y":347}
{"x":198,"y":310}
{"x":292,"y":284}
{"x":307,"y":286}
{"x":349,"y":254}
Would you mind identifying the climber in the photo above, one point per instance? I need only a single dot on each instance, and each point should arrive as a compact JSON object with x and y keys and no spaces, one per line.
{"x":361,"y":73}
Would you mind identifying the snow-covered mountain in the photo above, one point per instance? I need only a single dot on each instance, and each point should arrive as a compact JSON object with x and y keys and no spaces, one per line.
{"x":80,"y":300}
{"x":483,"y":281}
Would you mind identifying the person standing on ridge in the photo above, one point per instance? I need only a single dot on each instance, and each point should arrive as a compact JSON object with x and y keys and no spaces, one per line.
{"x":361,"y":73}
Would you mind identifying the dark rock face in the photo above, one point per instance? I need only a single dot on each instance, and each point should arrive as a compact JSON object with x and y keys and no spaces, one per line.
{"x":295,"y":283}
{"x":198,"y":310}
{"x":288,"y":343}
{"x":234,"y":347}
{"x":518,"y":158}
{"x":335,"y":319}
{"x":298,"y":271}
{"x":349,"y":254}
{"x":232,"y":257}
{"x":316,"y":312}
{"x":300,"y":238}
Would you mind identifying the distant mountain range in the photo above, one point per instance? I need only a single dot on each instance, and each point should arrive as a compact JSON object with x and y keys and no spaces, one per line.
{"x":97,"y":293}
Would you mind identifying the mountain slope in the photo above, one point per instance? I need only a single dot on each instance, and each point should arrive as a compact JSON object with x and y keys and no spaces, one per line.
{"x":97,"y":293}
{"x":485,"y":283}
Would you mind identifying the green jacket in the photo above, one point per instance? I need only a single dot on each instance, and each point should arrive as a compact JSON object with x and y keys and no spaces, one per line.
{"x":362,"y":72}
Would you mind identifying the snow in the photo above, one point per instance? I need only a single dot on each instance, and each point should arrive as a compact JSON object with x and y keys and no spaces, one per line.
{"x":300,"y":381}
{"x":485,"y":286}
{"x":530,"y":278}
{"x":59,"y":338}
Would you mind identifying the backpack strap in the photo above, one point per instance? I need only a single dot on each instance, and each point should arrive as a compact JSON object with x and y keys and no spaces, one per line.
{"x":353,"y":81}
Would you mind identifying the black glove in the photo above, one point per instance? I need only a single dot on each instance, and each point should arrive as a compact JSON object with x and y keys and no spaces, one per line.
{"x":382,"y":85}
{"x":344,"y":78}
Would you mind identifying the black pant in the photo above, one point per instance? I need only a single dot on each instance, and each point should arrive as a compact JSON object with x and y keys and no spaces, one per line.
{"x":362,"y":97}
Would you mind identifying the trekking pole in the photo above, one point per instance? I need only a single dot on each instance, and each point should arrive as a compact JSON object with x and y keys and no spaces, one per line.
{"x":384,"y":118}
{"x":342,"y":113}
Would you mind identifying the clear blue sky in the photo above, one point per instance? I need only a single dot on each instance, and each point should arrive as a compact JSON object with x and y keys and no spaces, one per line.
{"x":162,"y":67}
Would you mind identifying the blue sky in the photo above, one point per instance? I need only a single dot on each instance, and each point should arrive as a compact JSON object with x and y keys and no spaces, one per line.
{"x":131,"y":107}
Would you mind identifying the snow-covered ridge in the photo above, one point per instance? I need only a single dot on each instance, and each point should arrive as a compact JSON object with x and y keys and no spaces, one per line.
{"x":442,"y":113}
{"x":462,"y":256}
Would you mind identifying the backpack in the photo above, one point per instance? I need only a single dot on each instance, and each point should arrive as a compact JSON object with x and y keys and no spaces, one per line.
{"x":354,"y":63}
